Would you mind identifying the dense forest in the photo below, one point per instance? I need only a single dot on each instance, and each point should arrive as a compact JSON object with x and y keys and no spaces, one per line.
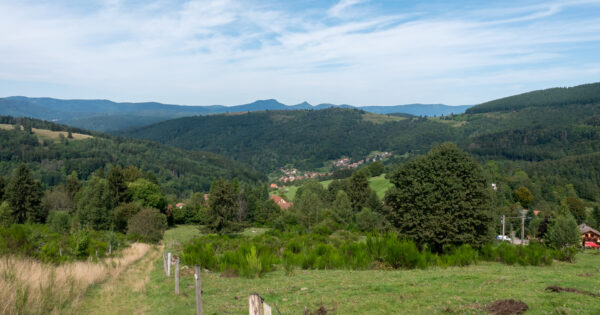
{"x":555,"y":145}
{"x":51,"y":159}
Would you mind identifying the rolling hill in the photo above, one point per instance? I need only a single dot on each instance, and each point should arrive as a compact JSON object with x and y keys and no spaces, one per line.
{"x":49,"y":151}
{"x":530,"y":137}
{"x":105,"y":115}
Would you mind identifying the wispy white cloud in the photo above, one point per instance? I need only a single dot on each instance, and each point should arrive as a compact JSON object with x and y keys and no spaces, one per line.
{"x":231,"y":51}
{"x":338,"y":9}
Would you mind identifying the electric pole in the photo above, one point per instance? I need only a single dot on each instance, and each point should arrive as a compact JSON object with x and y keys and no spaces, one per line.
{"x":523,"y":228}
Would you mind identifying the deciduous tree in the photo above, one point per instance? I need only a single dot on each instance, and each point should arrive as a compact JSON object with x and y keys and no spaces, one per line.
{"x":440,"y":199}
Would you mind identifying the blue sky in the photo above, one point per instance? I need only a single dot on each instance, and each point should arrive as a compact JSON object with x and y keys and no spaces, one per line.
{"x":360,"y":52}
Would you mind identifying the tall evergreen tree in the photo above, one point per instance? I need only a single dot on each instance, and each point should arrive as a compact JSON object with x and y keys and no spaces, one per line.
{"x":440,"y":199}
{"x":24,"y":195}
{"x":117,"y":185}
{"x":94,"y":204}
{"x":222,"y":207}
{"x":358,"y":190}
{"x":2,"y":186}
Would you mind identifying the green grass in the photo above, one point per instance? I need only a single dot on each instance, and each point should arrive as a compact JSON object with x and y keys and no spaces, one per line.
{"x":380,"y":184}
{"x":455,"y":290}
{"x":181,"y":233}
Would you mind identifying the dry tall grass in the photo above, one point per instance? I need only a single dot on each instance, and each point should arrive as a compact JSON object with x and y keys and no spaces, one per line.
{"x":30,"y":287}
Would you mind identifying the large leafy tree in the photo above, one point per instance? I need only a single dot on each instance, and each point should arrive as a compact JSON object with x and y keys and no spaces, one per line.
{"x":524,"y":196}
{"x":147,"y":194}
{"x":563,"y":232}
{"x":24,"y":195}
{"x":441,"y":199}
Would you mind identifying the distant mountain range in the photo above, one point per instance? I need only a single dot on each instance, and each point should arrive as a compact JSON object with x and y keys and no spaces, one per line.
{"x":105,"y":115}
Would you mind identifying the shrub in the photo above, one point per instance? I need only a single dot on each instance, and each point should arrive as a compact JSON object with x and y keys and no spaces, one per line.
{"x":123,"y":213}
{"x":6,"y":218}
{"x":59,"y":221}
{"x":563,"y":232}
{"x":147,"y":225}
{"x":464,"y":255}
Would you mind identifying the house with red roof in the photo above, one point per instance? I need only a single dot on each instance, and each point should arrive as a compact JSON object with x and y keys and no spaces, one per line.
{"x":283,"y":205}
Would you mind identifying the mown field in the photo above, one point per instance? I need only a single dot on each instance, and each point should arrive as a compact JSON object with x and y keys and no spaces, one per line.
{"x":457,"y":290}
{"x":379,"y":184}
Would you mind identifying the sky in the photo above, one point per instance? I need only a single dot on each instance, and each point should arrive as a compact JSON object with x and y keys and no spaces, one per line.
{"x":359,"y":52}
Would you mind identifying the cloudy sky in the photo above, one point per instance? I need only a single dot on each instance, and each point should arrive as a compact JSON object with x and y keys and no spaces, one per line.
{"x":360,"y":52}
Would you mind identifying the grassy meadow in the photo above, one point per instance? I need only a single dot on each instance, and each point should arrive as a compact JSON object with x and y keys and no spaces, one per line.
{"x":379,"y":184}
{"x":456,"y":290}
{"x":28,"y":286}
{"x":45,"y":134}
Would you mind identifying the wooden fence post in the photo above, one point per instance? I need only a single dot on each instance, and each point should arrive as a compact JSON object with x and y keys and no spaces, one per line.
{"x":169,"y":264}
{"x":198,"y":291}
{"x":177,"y":275}
{"x":257,"y":305}
{"x":165,"y":263}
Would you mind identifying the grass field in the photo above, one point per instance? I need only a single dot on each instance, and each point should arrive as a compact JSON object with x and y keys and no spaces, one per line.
{"x":457,"y":290}
{"x":380,"y":184}
{"x":44,"y":134}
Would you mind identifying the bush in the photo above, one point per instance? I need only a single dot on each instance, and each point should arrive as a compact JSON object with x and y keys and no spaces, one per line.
{"x":6,"y":218}
{"x":59,"y":221}
{"x":147,"y":225}
{"x":123,"y":213}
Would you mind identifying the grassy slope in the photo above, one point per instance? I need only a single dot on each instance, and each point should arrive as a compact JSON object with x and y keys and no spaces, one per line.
{"x":380,"y":184}
{"x":435,"y":290}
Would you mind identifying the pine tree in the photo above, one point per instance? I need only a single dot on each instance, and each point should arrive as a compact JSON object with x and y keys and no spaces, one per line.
{"x":94,"y":204}
{"x":24,"y":195}
{"x":358,"y":190}
{"x":441,"y":199}
{"x":222,"y":207}
{"x":2,"y":186}
{"x":117,"y":185}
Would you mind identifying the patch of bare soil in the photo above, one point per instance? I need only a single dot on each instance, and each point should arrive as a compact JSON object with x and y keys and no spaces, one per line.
{"x":507,"y":307}
{"x":229,"y":274}
{"x":555,"y":288}
{"x":322,"y":310}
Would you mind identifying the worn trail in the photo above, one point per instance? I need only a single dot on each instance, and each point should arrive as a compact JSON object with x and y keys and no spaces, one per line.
{"x":124,"y":294}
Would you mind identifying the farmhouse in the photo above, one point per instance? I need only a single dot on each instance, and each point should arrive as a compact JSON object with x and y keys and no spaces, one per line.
{"x":588,"y":234}
{"x":284,"y":205}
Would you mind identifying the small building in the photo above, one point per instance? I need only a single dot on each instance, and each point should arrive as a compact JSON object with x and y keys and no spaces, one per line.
{"x":588,"y":234}
{"x":283,"y":205}
{"x":273,"y":186}
{"x":180,"y":205}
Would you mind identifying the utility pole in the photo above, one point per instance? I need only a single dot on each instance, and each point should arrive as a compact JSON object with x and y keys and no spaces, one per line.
{"x":503,"y":224}
{"x":523,"y":228}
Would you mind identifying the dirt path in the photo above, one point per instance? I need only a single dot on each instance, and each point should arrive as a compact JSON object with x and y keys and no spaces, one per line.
{"x":123,"y":294}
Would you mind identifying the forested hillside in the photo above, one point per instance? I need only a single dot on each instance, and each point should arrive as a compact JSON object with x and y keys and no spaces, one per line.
{"x":52,"y":158}
{"x":105,"y":115}
{"x":268,"y":140}
{"x":545,"y":140}
{"x":581,"y":94}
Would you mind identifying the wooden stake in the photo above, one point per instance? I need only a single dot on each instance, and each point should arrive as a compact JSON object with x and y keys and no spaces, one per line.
{"x":198,"y":291}
{"x":177,"y":275}
{"x":165,"y":263}
{"x":169,"y":265}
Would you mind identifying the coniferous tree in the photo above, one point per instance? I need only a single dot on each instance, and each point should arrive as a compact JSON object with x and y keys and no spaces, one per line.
{"x":2,"y":186}
{"x":577,"y":208}
{"x":94,"y":204}
{"x":441,"y":199}
{"x":358,"y":190}
{"x":222,"y":207}
{"x":596,"y":215}
{"x":24,"y":195}
{"x":117,"y":185}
